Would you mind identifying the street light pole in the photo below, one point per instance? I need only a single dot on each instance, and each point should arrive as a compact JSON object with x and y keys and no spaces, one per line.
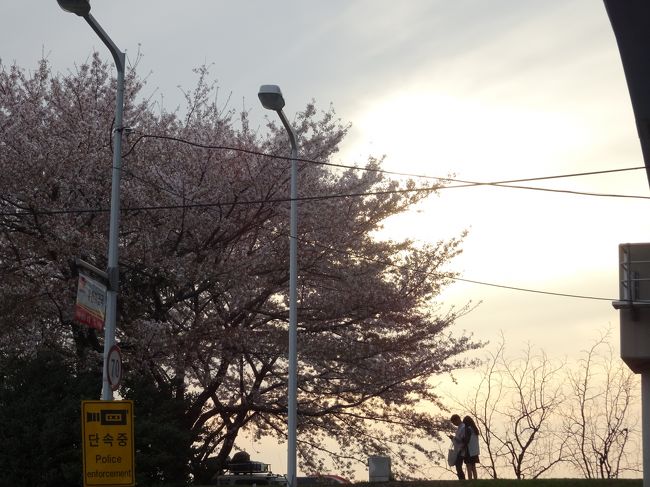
{"x":82,"y":8}
{"x":272,"y":99}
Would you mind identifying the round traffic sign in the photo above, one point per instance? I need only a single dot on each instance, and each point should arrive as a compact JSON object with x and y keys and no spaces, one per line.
{"x":114,"y":367}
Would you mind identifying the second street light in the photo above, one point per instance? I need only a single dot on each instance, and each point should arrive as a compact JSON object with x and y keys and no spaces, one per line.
{"x":272,"y":99}
{"x":82,"y":8}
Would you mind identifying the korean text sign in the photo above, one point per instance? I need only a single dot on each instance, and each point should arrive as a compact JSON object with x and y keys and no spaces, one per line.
{"x":90,"y":308}
{"x":108,"y":446}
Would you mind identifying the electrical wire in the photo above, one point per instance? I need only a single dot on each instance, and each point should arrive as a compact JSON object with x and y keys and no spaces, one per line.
{"x":552,"y":190}
{"x":464,"y":183}
{"x":186,"y":206}
{"x":385,"y":263}
{"x":536,"y":291}
{"x":36,"y":212}
{"x":443,"y":275}
{"x":504,"y":184}
{"x":454,"y":278}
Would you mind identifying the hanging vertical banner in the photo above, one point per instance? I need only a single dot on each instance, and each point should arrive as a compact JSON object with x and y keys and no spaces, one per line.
{"x":90,"y":309}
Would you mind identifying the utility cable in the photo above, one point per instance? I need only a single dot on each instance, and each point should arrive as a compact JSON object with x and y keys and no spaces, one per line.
{"x":377,"y":170}
{"x":463,"y":183}
{"x":551,"y":190}
{"x":272,"y":200}
{"x":385,"y":263}
{"x":537,"y":291}
{"x":447,"y":276}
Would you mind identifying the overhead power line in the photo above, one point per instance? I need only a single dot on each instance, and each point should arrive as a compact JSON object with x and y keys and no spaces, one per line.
{"x":370,"y":169}
{"x":462,"y":183}
{"x":214,"y":205}
{"x":483,"y":283}
{"x":537,"y":291}
{"x":186,"y":206}
{"x":551,"y":190}
{"x":125,"y":209}
{"x":451,"y":277}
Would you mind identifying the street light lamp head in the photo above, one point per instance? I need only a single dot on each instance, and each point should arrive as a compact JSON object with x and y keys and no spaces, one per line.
{"x":271,"y":97}
{"x":79,"y":7}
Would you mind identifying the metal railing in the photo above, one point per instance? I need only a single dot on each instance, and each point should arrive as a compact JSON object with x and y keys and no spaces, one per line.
{"x":632,"y":287}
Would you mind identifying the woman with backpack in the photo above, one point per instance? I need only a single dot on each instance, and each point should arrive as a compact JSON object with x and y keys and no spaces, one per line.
{"x":471,"y":440}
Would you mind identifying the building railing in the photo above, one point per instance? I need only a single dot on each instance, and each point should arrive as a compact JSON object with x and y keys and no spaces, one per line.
{"x":634,"y":276}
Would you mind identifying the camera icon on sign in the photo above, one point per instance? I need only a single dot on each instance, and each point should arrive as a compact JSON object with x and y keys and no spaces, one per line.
{"x":108,"y":417}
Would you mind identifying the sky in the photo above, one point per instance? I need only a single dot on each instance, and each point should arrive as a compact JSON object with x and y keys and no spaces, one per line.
{"x":481,"y":90}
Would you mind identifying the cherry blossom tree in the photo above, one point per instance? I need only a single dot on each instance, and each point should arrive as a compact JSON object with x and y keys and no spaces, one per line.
{"x":203,"y":300}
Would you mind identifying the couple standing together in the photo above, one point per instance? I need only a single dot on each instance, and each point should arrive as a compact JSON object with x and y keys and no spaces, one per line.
{"x":466,"y":449}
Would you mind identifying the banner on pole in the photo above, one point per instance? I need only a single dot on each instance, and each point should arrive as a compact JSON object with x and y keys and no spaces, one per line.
{"x":90,"y":309}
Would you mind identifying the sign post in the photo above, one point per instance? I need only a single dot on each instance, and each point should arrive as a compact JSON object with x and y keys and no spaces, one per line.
{"x":108,"y":443}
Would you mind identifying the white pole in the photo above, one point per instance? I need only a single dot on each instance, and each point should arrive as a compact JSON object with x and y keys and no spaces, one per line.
{"x":293,"y":328}
{"x":271,"y":98}
{"x":114,"y":228}
{"x":293,"y":316}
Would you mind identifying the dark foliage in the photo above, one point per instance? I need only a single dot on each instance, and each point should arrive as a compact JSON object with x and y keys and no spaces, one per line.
{"x":162,"y":441}
{"x":40,"y":403}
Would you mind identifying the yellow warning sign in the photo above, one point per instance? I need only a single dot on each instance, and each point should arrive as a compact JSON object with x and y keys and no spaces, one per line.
{"x":107,"y":429}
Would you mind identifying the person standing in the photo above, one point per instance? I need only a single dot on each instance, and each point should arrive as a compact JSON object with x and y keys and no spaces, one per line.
{"x":473,"y":450}
{"x":460,"y":445}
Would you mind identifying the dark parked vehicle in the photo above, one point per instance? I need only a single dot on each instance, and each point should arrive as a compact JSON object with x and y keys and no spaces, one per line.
{"x":245,"y":472}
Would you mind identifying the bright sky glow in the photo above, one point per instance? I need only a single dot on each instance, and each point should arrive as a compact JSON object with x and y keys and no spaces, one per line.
{"x":431,"y":131}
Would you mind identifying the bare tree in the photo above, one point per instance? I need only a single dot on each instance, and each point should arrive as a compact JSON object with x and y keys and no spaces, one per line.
{"x":597,"y":421}
{"x":531,"y":443}
{"x":483,"y":407}
{"x":514,"y":405}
